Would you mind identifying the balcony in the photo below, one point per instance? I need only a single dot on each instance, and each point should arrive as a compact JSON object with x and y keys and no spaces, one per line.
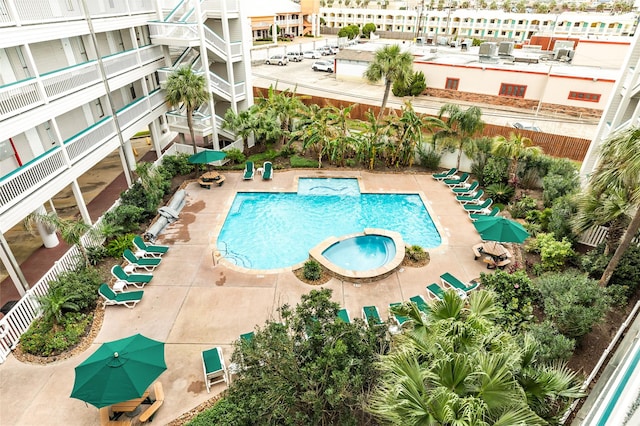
{"x":52,"y":171}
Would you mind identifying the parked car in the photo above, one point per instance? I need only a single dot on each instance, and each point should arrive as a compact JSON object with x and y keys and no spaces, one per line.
{"x":326,"y":50}
{"x":526,"y":126}
{"x":288,"y":37}
{"x":312,"y":54}
{"x":322,"y":66}
{"x":277,"y":60}
{"x":295,"y":56}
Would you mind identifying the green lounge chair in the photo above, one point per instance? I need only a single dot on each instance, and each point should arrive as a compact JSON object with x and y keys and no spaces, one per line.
{"x":399,"y":319}
{"x":453,"y":282}
{"x":343,"y":315}
{"x":128,"y":299}
{"x":474,"y":215}
{"x":420,"y":303}
{"x":371,"y":315}
{"x":138,"y":280}
{"x":247,"y":337}
{"x":445,"y":175}
{"x":146,"y":263}
{"x":214,"y":369}
{"x":478,"y":207}
{"x":466,"y":190}
{"x":151,"y":249}
{"x":249,"y":170}
{"x":435,"y":290}
{"x":470,"y":199}
{"x":458,"y":182}
{"x":267,"y":170}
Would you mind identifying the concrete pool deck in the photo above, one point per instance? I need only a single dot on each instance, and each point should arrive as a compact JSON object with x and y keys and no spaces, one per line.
{"x":196,"y":301}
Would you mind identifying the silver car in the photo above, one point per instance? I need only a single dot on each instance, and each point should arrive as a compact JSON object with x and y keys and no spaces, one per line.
{"x":277,"y":60}
{"x":322,"y":66}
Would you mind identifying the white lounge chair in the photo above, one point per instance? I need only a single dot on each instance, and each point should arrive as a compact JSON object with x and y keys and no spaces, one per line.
{"x":214,"y":369}
{"x":129,"y":299}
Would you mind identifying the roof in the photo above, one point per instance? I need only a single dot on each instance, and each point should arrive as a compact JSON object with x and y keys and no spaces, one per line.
{"x":270,"y":7}
{"x":354,"y":54}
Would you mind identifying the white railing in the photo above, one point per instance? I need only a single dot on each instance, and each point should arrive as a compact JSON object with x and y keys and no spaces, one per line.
{"x":84,"y":142}
{"x":598,"y":235}
{"x":18,"y":97}
{"x":27,"y":309}
{"x":68,"y":80}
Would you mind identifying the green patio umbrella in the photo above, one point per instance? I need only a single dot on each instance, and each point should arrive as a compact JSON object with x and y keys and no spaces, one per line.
{"x":119,"y":371}
{"x":501,"y":229}
{"x":207,"y":156}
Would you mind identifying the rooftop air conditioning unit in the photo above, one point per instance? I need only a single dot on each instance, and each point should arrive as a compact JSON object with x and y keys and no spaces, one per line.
{"x":505,"y":48}
{"x":488,"y":49}
{"x":564,"y":54}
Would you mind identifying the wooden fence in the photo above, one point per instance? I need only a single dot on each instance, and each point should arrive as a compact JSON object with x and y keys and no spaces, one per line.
{"x":554,"y":145}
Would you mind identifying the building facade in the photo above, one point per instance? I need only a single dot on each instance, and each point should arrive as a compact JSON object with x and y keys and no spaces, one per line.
{"x":79,"y":78}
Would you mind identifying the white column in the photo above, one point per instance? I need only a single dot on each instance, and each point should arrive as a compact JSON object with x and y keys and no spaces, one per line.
{"x":156,"y":134}
{"x":128,"y":159}
{"x":49,"y":236}
{"x":82,"y":206}
{"x":13,"y":268}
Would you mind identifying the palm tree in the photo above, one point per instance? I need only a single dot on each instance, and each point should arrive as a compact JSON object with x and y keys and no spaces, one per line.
{"x":283,"y":106}
{"x":315,"y":130}
{"x":619,"y":170}
{"x":514,"y":148}
{"x":185,"y":87}
{"x":391,"y":64}
{"x":243,"y":124}
{"x":461,"y":127}
{"x":55,"y":303}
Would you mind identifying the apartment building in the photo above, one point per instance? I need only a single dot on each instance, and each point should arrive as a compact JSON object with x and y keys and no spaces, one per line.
{"x":489,"y":25}
{"x":79,"y":78}
{"x":289,"y":17}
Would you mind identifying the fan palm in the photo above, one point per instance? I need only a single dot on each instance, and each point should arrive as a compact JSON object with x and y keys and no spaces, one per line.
{"x":185,"y":87}
{"x":514,"y":148}
{"x":391,"y":64}
{"x":461,"y":127}
{"x":243,"y":124}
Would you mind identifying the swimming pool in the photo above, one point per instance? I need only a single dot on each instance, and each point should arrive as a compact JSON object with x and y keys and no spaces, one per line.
{"x":361,"y":253}
{"x":277,"y":230}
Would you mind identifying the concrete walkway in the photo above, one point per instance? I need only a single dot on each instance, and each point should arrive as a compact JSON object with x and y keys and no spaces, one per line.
{"x":194,"y":304}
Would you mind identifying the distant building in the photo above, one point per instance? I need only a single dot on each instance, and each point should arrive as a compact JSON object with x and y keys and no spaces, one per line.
{"x":291,"y":18}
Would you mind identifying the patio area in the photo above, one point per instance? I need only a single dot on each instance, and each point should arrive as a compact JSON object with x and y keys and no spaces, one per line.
{"x":197,"y":301}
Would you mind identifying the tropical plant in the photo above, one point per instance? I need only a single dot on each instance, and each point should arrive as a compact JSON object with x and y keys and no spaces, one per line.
{"x":186,"y":88}
{"x":312,"y":270}
{"x":462,"y":127}
{"x":553,"y":253}
{"x":552,"y":345}
{"x":563,"y":211}
{"x":243,"y":124}
{"x":514,"y":294}
{"x":522,"y":206}
{"x":315,"y":131}
{"x":281,"y":108}
{"x":83,"y":284}
{"x":55,"y":303}
{"x":627,"y":274}
{"x":514,"y":148}
{"x":429,"y":157}
{"x":499,"y":192}
{"x":117,"y":246}
{"x":495,"y":171}
{"x":414,"y":85}
{"x":555,"y":186}
{"x":416,"y":253}
{"x":391,"y":64}
{"x":367,"y":29}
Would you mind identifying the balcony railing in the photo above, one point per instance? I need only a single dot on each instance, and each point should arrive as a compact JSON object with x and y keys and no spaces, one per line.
{"x":24,"y":95}
{"x":188,"y":32}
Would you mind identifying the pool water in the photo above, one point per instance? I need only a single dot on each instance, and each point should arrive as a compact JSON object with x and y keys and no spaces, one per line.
{"x":361,"y":253}
{"x":277,"y":230}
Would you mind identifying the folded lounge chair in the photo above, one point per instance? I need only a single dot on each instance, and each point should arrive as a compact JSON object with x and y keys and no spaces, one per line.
{"x":457,"y":182}
{"x":399,"y":319}
{"x":138,"y":280}
{"x":434,"y":290}
{"x":470,"y":199}
{"x":483,"y":213}
{"x":267,"y":170}
{"x":478,"y":207}
{"x":146,"y":263}
{"x":343,"y":315}
{"x":466,"y":189}
{"x":453,"y":282}
{"x":445,"y":175}
{"x":150,"y":249}
{"x":420,"y":303}
{"x":249,"y":170}
{"x":247,"y":337}
{"x":128,"y":299}
{"x":371,"y":315}
{"x":214,"y":368}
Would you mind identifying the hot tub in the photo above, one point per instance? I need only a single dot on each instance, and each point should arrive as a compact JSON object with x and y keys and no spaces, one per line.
{"x":371,"y":255}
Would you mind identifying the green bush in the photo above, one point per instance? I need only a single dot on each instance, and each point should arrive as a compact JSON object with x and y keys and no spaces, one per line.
{"x":124,"y":218}
{"x":178,"y":164}
{"x":415,"y":86}
{"x":268,"y":155}
{"x":117,"y":246}
{"x":83,"y":283}
{"x":301,"y":162}
{"x":540,"y":217}
{"x":416,"y":253}
{"x":553,"y":253}
{"x":574,"y":302}
{"x":500,"y":192}
{"x":515,"y":295}
{"x":43,"y":340}
{"x":495,"y":171}
{"x":522,"y":206}
{"x":555,"y":186}
{"x":312,"y":270}
{"x":562,"y":213}
{"x":96,"y":254}
{"x":428,"y":157}
{"x":235,"y":156}
{"x":627,"y":274}
{"x":223,"y":412}
{"x":552,"y":345}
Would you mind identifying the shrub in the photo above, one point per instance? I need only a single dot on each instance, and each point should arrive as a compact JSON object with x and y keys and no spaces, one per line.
{"x":223,"y":412}
{"x":627,"y":274}
{"x":83,"y":283}
{"x":124,"y":218}
{"x":416,"y":253}
{"x":43,"y":340}
{"x":552,"y":345}
{"x":540,"y":217}
{"x":117,"y":246}
{"x":177,"y":164}
{"x":301,"y":162}
{"x":495,"y":171}
{"x":574,"y":302}
{"x":268,"y":155}
{"x":415,"y":87}
{"x":312,"y":270}
{"x":553,"y":253}
{"x":562,"y":213}
{"x":500,"y":192}
{"x":555,"y":186}
{"x":522,"y":206}
{"x":428,"y":157}
{"x":96,"y":254}
{"x":514,"y":294}
{"x":235,"y":156}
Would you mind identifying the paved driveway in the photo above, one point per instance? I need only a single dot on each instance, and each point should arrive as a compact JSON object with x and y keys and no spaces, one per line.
{"x":196,"y":301}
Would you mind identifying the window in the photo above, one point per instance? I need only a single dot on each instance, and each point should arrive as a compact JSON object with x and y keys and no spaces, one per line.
{"x":452,"y":83}
{"x":587,"y":97}
{"x":513,"y":90}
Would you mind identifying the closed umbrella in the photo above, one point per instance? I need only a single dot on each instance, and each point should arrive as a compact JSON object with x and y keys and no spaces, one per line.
{"x":119,"y":371}
{"x":501,"y":229}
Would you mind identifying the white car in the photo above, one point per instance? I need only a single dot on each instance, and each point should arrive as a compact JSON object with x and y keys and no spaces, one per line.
{"x":311,"y":54}
{"x":322,"y":66}
{"x":277,"y":60}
